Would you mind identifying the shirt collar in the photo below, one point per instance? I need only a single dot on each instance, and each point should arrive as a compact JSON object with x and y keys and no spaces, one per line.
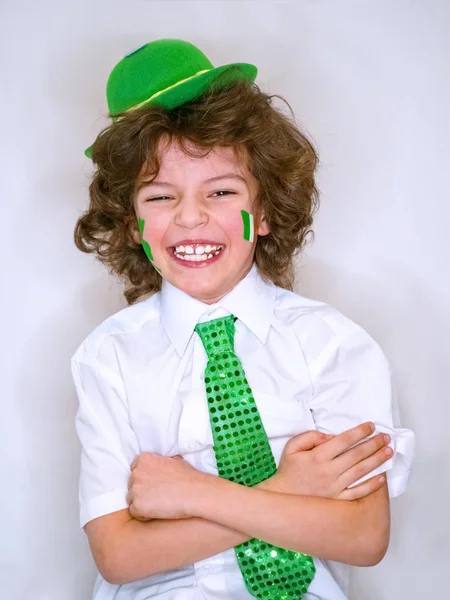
{"x":252,"y":301}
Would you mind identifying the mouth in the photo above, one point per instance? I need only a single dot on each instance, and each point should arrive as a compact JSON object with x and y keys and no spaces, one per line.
{"x":198,"y":253}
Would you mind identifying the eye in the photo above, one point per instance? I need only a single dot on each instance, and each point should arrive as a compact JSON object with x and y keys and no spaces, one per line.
{"x":157,"y":198}
{"x":222,"y":193}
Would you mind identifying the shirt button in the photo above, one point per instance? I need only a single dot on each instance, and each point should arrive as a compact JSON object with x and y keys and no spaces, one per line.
{"x":193,"y":446}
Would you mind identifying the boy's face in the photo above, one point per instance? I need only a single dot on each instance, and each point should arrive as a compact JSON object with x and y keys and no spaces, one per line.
{"x":191,"y":218}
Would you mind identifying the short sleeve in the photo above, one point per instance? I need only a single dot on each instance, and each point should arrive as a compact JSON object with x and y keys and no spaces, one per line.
{"x":352,"y":384}
{"x":108,"y":443}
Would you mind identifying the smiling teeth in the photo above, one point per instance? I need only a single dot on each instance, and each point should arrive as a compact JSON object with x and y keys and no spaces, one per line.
{"x":197,"y":253}
{"x":194,"y":257}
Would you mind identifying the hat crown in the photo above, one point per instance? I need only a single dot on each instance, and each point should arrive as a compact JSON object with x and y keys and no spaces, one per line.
{"x":167,"y":73}
{"x":150,"y":69}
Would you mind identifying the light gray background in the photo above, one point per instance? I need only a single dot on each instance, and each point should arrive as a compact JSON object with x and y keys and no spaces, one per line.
{"x":369,"y":80}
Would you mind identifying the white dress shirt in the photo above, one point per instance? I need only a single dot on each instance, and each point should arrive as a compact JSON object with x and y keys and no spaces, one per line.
{"x":139,"y":378}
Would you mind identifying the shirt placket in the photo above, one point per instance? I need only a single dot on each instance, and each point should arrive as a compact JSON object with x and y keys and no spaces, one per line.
{"x":195,"y":429}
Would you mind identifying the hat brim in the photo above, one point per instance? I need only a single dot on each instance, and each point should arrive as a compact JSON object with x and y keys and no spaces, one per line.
{"x":194,"y":87}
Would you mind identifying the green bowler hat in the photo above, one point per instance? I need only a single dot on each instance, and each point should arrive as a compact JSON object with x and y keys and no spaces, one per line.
{"x":168,"y":73}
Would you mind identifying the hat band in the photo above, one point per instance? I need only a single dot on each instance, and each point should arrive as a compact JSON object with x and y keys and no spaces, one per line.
{"x":156,"y":94}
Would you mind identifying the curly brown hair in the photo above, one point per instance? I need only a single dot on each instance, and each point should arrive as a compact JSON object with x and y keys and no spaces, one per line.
{"x":241,"y":116}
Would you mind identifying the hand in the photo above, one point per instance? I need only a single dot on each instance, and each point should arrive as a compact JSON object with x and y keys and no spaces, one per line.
{"x":160,"y":487}
{"x":317,"y":464}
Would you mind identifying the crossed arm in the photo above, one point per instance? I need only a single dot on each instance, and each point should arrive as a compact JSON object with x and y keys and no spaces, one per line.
{"x":306,"y":506}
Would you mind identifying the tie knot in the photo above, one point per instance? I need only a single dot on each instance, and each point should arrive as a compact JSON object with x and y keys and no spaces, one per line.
{"x":217,"y":335}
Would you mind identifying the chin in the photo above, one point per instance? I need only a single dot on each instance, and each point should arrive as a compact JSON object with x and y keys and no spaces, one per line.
{"x":201,"y":292}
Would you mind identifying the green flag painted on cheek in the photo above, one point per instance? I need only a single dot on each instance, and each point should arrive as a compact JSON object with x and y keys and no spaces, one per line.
{"x":145,"y":245}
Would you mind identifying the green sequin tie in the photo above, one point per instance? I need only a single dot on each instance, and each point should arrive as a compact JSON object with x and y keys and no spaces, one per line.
{"x":243,"y":455}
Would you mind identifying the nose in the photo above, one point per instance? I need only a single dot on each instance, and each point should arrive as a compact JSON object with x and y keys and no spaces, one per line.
{"x":191,"y":212}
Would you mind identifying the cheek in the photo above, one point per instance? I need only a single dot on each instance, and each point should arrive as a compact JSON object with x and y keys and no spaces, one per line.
{"x":153,"y":230}
{"x":235,"y":228}
{"x":248,"y":225}
{"x":149,"y":239}
{"x":235,"y":223}
{"x":147,"y":232}
{"x":144,"y":238}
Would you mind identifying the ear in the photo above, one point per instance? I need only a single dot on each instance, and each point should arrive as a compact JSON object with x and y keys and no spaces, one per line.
{"x":263,"y":225}
{"x":133,"y":229}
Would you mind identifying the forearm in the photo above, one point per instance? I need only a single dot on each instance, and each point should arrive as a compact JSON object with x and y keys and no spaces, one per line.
{"x":126,"y":549}
{"x":140,"y":549}
{"x":227,"y":514}
{"x":353,"y":532}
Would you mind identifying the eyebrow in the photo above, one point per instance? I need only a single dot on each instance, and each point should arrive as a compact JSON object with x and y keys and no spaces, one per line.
{"x":150,"y":183}
{"x":226,"y":176}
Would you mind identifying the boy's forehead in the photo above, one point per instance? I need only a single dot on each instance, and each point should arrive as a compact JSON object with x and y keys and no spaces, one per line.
{"x":173,"y":158}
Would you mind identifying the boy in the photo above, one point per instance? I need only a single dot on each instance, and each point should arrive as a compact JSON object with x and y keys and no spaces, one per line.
{"x":202,"y":194}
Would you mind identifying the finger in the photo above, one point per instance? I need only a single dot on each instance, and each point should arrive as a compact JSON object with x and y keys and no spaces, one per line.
{"x":132,"y":510}
{"x":363,"y":489}
{"x":305,"y":441}
{"x":363,"y":450}
{"x":134,"y":463}
{"x":129,"y":498}
{"x":365,"y":467}
{"x":143,"y":519}
{"x":130,"y":481}
{"x":135,"y":514}
{"x":343,"y":441}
